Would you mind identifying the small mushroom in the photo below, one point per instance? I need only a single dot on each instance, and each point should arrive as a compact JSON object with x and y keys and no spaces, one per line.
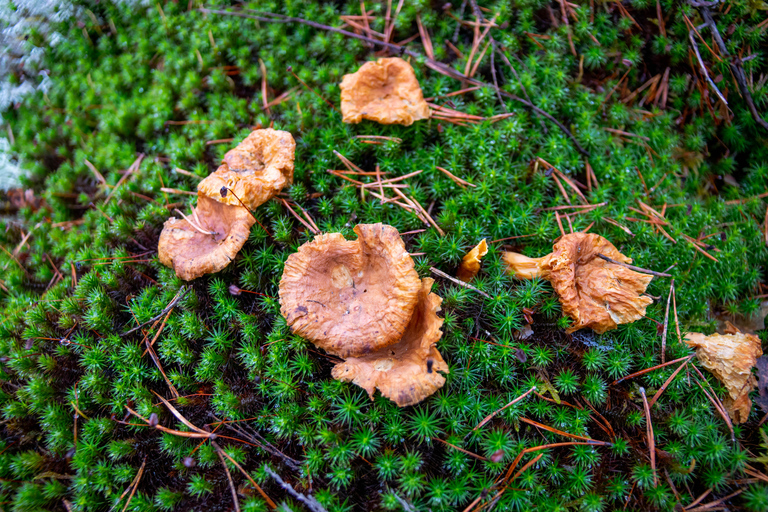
{"x":255,"y":170}
{"x":385,"y":91}
{"x":593,"y":292}
{"x":730,"y":357}
{"x":350,"y":297}
{"x":206,"y":241}
{"x":406,"y":372}
{"x":470,"y":264}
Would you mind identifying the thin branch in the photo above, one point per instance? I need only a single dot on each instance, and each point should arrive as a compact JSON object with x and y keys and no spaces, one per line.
{"x":307,"y":499}
{"x":738,"y":70}
{"x":632,"y":267}
{"x":458,"y":282}
{"x":170,"y":306}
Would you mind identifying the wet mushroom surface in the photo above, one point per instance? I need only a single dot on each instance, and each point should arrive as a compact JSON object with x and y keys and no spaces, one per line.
{"x":385,"y":91}
{"x":350,"y":297}
{"x":408,"y":371}
{"x":254,"y":171}
{"x":205,"y":241}
{"x":730,"y":357}
{"x":594,"y":292}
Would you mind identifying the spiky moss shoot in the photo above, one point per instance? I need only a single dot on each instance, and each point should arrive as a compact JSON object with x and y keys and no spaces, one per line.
{"x":169,"y":83}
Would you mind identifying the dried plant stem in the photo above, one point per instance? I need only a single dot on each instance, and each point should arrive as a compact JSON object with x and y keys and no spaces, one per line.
{"x":632,"y":267}
{"x":179,"y":295}
{"x":458,"y":282}
{"x":649,"y":434}
{"x":490,"y":416}
{"x":220,"y":452}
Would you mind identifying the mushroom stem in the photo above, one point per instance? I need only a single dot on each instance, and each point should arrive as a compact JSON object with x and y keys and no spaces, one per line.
{"x":523,"y":266}
{"x":193,"y":224}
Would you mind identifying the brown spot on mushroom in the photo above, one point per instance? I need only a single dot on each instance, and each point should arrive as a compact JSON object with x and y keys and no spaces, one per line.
{"x":205,"y":242}
{"x":255,"y":170}
{"x":385,"y":91}
{"x":593,"y":292}
{"x":399,"y":371}
{"x":470,"y":264}
{"x":730,"y":357}
{"x":328,"y":276}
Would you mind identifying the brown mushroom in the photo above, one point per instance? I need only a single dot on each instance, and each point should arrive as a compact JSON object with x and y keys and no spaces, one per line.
{"x":255,"y":170}
{"x":593,"y":292}
{"x":730,"y":357}
{"x":206,"y":241}
{"x":470,"y":264}
{"x":406,"y":372}
{"x":385,"y":91}
{"x":350,"y":297}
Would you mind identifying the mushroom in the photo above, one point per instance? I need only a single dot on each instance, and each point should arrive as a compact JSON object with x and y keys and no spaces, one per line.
{"x":470,"y":264}
{"x":205,"y":242}
{"x":730,"y":357}
{"x":593,"y":292}
{"x":406,"y":372}
{"x":255,"y":170}
{"x":385,"y":91}
{"x":350,"y":297}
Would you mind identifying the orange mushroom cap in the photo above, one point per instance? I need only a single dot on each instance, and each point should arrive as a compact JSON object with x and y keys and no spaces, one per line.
{"x":470,"y":264}
{"x":350,"y":297}
{"x":593,"y":292}
{"x":385,"y":91}
{"x":730,"y":357}
{"x":255,"y":170}
{"x":185,"y":246}
{"x":406,"y":372}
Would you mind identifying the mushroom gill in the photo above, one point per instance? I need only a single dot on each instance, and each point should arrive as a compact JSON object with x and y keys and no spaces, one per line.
{"x":593,"y":292}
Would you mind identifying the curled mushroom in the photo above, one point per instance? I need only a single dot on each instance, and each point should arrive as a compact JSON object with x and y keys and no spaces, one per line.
{"x":730,"y":357}
{"x":206,"y":241}
{"x":385,"y":91}
{"x":406,"y":372}
{"x":350,"y":297}
{"x":593,"y":292}
{"x":470,"y":264}
{"x":255,"y":170}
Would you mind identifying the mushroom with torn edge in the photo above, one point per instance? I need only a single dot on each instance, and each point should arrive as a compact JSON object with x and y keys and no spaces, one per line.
{"x":593,"y":292}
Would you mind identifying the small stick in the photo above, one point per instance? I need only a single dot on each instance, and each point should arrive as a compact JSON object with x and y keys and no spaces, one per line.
{"x":647,"y":370}
{"x":218,"y":141}
{"x":133,"y":168}
{"x":559,"y":224}
{"x":460,"y":182}
{"x":575,"y":207}
{"x":666,"y":321}
{"x":462,"y":450}
{"x":311,"y":503}
{"x":179,"y":295}
{"x":624,"y":228}
{"x":632,"y":267}
{"x":264,"y":100}
{"x":186,"y":173}
{"x":565,"y":434}
{"x":305,"y":223}
{"x":490,"y":416}
{"x":458,"y":282}
{"x":177,"y":191}
{"x":649,"y":434}
{"x":219,"y":452}
{"x":512,"y":238}
{"x":668,"y":382}
{"x":134,"y":485}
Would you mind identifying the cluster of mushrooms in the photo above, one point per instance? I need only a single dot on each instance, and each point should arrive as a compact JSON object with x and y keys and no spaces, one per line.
{"x":363,"y":302}
{"x":251,"y":174}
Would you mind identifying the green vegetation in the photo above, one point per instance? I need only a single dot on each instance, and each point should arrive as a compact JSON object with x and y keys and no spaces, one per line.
{"x":164,"y":82}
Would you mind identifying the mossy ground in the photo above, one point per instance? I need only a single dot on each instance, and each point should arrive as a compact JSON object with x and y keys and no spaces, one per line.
{"x":83,"y":270}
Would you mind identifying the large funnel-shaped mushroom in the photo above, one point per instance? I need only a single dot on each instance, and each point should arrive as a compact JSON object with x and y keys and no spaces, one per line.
{"x":730,"y":357}
{"x":406,"y":372}
{"x":350,"y":297}
{"x":256,"y":170}
{"x":593,"y":292}
{"x":205,"y":242}
{"x":385,"y":91}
